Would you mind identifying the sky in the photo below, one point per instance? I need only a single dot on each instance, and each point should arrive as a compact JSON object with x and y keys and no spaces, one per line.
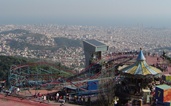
{"x":87,"y":12}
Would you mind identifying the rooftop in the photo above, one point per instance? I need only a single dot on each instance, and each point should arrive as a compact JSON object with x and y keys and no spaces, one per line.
{"x":164,"y":86}
{"x":94,"y":42}
{"x":140,"y":56}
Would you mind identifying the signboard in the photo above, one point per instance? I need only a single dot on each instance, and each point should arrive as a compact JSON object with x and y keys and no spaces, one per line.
{"x":163,"y":93}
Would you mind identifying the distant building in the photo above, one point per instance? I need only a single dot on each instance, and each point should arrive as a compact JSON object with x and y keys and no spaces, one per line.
{"x":93,"y":50}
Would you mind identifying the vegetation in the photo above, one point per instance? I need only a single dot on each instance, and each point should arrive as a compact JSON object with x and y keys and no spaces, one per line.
{"x":36,"y":36}
{"x":60,"y":43}
{"x":65,"y":42}
{"x":23,"y":36}
{"x":107,"y":96}
{"x":22,"y":45}
{"x":7,"y":61}
{"x":16,"y":31}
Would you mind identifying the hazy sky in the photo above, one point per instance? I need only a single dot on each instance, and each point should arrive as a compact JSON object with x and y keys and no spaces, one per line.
{"x":90,"y":12}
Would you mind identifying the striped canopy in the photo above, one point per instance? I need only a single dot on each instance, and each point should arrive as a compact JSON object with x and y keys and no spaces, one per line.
{"x":140,"y":67}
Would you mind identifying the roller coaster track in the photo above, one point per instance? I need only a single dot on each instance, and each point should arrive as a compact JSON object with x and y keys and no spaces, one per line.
{"x":77,"y":83}
{"x":21,"y":73}
{"x":87,"y":69}
{"x":98,"y":75}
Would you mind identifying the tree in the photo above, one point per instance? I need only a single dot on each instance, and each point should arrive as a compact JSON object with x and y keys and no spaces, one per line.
{"x":106,"y":96}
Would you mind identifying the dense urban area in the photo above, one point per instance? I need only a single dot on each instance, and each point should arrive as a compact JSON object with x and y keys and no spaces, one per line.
{"x":119,"y":39}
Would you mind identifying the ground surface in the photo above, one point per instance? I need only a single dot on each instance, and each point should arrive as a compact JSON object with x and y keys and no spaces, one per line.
{"x":13,"y":101}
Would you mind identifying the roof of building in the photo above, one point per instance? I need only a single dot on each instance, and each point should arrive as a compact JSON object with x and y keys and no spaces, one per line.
{"x":70,"y":87}
{"x":140,"y":56}
{"x":94,"y":42}
{"x":164,"y":86}
{"x":140,"y":67}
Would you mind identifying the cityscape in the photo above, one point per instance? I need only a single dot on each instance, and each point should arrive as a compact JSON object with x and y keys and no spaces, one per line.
{"x":119,"y":39}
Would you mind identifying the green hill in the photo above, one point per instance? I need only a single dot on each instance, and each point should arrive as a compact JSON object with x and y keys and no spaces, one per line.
{"x":7,"y":61}
{"x":26,"y":39}
{"x":65,"y":42}
{"x":16,"y":31}
{"x":36,"y":36}
{"x":21,"y":45}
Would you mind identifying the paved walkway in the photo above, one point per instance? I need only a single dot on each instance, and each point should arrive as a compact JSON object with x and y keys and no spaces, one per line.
{"x":14,"y":101}
{"x":153,"y":60}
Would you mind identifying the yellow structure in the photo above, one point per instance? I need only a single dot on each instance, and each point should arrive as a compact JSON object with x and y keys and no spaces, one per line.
{"x":167,"y":77}
{"x":146,"y":95}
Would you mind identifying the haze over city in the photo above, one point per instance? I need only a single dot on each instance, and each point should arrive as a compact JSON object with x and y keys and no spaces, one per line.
{"x":87,"y":12}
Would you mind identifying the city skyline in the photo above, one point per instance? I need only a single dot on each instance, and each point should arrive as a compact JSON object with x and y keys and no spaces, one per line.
{"x":87,"y":12}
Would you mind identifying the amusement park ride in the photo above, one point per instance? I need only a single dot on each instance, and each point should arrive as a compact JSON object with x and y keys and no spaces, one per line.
{"x":92,"y":80}
{"x":33,"y":74}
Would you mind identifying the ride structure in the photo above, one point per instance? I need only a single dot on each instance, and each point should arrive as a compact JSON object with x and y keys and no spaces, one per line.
{"x":35,"y":74}
{"x":138,"y":78}
{"x":99,"y":71}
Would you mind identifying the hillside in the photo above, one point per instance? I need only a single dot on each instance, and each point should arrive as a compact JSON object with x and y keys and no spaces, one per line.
{"x":7,"y":61}
{"x":16,"y":31}
{"x":35,"y":41}
{"x":65,"y":42}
